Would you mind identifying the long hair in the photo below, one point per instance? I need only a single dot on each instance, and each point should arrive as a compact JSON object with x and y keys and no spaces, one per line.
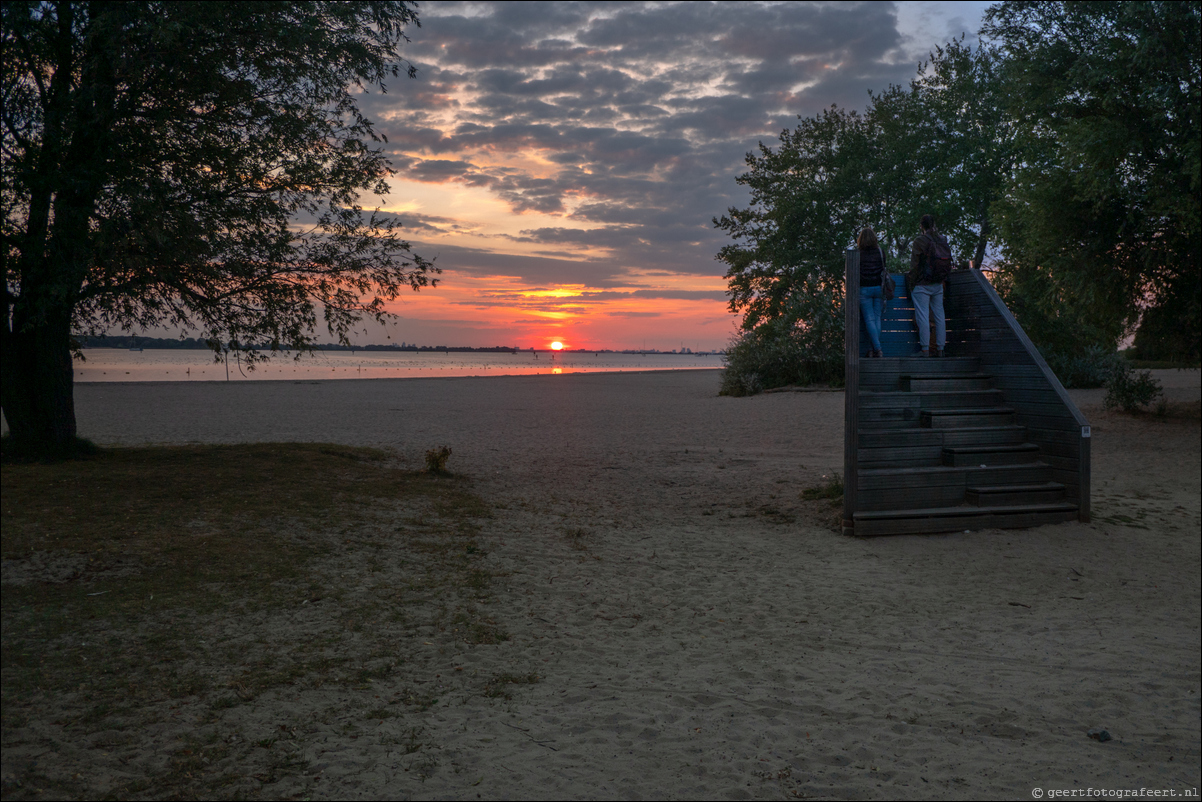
{"x":867,"y":239}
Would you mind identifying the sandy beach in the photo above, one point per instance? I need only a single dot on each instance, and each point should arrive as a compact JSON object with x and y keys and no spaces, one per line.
{"x":700,"y":631}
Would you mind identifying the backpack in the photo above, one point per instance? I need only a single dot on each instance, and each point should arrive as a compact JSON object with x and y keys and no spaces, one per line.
{"x":939,"y":260}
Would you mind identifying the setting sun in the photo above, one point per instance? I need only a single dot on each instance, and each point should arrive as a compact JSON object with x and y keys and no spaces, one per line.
{"x":556,"y":346}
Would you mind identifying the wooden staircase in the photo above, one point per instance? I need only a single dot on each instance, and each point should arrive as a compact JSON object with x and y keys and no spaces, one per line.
{"x":943,"y":451}
{"x":967,"y":441}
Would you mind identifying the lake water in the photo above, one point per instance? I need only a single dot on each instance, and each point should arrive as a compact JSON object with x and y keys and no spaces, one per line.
{"x":114,"y":364}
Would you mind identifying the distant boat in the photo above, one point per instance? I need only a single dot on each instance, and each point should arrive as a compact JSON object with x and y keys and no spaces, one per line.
{"x":135,"y":349}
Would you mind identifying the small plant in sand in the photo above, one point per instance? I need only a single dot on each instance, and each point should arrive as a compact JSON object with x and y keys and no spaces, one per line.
{"x":832,"y":489}
{"x":436,"y":459}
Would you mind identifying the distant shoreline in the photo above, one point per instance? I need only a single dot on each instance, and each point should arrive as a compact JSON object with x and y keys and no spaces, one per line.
{"x":309,"y":380}
{"x":136,"y":343}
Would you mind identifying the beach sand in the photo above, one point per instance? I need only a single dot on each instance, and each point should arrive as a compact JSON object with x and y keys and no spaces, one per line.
{"x":700,"y":631}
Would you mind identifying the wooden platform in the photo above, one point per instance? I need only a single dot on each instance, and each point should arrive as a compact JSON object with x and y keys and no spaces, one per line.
{"x":985,"y":437}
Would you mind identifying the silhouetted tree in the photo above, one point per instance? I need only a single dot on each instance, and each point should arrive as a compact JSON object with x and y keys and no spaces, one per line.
{"x":190,"y":164}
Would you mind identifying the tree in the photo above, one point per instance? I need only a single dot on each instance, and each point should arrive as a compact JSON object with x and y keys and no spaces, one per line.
{"x":964,"y":142}
{"x":1100,"y":218}
{"x":189,"y":164}
{"x":938,"y":147}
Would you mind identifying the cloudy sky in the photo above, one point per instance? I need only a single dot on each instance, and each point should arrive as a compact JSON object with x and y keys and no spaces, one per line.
{"x":564,"y":161}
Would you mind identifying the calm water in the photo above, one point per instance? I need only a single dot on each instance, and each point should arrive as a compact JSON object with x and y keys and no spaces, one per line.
{"x":114,"y":364}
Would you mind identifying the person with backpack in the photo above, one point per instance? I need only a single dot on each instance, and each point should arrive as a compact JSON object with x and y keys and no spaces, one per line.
{"x":872,"y":290}
{"x":930,"y":265}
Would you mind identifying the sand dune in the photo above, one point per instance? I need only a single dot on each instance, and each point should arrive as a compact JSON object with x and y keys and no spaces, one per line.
{"x":700,"y":632}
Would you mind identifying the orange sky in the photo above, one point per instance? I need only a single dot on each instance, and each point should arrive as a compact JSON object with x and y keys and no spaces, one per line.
{"x":563,"y":162}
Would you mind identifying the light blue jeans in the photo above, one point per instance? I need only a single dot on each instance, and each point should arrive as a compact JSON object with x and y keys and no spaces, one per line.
{"x":928,"y":300}
{"x":872,"y":307}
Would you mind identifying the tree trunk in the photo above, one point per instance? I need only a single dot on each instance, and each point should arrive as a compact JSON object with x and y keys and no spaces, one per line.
{"x":983,"y":238}
{"x":38,"y":388}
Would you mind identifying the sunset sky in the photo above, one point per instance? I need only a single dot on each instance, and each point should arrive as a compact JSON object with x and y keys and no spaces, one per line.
{"x":564,"y":161}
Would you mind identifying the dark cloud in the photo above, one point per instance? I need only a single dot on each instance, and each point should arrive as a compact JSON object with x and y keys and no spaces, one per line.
{"x":644,"y":111}
{"x":530,"y":269}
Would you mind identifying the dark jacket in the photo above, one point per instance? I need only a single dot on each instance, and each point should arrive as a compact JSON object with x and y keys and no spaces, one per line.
{"x":920,"y":253}
{"x":871,"y":267}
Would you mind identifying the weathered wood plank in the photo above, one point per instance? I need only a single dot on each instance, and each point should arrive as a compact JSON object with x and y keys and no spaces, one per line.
{"x":1071,"y":450}
{"x":877,"y":479}
{"x":898,"y":438}
{"x":886,"y":453}
{"x":1083,"y":470}
{"x":910,"y":499}
{"x":851,"y":411}
{"x":1006,"y":358}
{"x":1069,"y":434}
{"x":926,"y":365}
{"x":889,"y":400}
{"x":1040,"y":400}
{"x":966,"y":436}
{"x":971,"y":522}
{"x":1071,"y":463}
{"x":1046,"y":422}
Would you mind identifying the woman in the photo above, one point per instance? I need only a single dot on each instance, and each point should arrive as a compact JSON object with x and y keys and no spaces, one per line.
{"x":872,"y":300}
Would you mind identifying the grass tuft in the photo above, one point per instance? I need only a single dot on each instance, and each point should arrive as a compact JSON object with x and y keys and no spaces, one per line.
{"x":436,"y":459}
{"x":831,"y":489}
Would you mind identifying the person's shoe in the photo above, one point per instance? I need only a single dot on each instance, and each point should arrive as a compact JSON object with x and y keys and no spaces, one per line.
{"x":937,"y":352}
{"x":880,"y":354}
{"x":924,"y":353}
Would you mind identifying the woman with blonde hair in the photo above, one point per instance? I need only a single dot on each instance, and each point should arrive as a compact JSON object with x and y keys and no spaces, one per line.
{"x":872,"y":298}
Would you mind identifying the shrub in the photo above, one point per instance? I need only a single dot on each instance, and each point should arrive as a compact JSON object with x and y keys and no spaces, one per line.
{"x":777,"y":355}
{"x":1093,"y":367}
{"x":1131,"y":391}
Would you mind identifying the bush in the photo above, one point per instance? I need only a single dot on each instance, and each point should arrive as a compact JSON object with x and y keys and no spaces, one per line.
{"x":1093,"y":367}
{"x":1096,"y":367}
{"x":775,"y":355}
{"x":1132,"y":391}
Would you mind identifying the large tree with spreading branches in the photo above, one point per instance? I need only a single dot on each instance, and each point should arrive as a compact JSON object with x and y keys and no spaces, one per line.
{"x":192,"y":165}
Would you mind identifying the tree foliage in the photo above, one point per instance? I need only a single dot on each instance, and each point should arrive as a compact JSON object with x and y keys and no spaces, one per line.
{"x":1100,"y":222}
{"x":935,"y":147}
{"x":1067,"y":144}
{"x":194,"y":165}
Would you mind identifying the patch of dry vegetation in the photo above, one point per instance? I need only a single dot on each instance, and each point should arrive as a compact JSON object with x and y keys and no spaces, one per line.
{"x":141,"y":580}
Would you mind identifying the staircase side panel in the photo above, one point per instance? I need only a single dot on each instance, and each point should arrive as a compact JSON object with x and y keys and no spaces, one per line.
{"x":981,"y":320}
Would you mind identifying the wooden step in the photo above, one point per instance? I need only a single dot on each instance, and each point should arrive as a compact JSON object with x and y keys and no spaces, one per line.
{"x":966,"y":365}
{"x":973,"y":416}
{"x":896,"y":416}
{"x":1006,"y":495}
{"x":923,"y":382}
{"x":920,"y":487}
{"x":984,"y":456}
{"x":962,"y":436}
{"x":932,"y":399}
{"x":958,"y":518}
{"x":900,"y":456}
